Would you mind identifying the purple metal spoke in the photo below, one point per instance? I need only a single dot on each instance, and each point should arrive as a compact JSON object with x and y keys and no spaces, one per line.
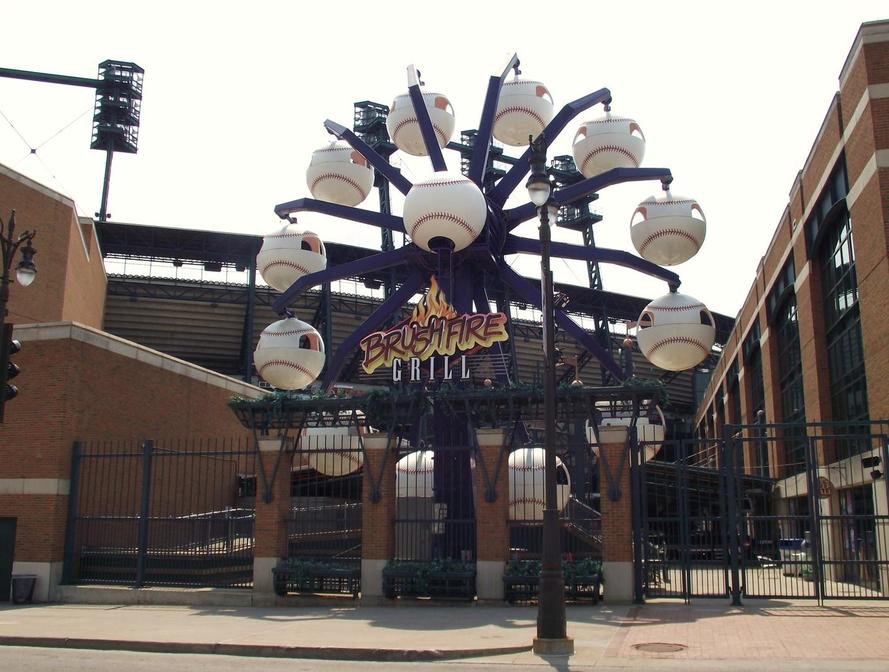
{"x":482,"y":143}
{"x":415,"y":283}
{"x":602,"y":255}
{"x":530,"y":295}
{"x":373,"y":262}
{"x":360,"y":215}
{"x":426,"y":128}
{"x":483,"y":305}
{"x":386,"y":169}
{"x":591,"y":185}
{"x":510,"y":181}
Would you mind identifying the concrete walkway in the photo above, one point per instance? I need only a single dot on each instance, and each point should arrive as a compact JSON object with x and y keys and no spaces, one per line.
{"x":607,"y":635}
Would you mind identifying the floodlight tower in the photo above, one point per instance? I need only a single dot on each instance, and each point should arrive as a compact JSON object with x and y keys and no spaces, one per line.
{"x":117,"y":113}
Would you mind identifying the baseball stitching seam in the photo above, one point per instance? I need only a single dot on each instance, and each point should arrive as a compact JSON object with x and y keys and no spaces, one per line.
{"x":284,"y":263}
{"x":677,"y":339}
{"x":676,"y":309}
{"x":283,"y":362}
{"x":669,"y":201}
{"x":440,"y":215}
{"x":442,"y":136}
{"x":444,"y":183}
{"x":286,"y":235}
{"x":292,"y":332}
{"x":337,"y":176}
{"x":520,"y":108}
{"x":609,"y":148}
{"x":668,"y":232}
{"x":608,"y":120}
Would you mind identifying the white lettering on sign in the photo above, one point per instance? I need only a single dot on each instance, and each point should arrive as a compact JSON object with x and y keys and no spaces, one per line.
{"x":415,"y":374}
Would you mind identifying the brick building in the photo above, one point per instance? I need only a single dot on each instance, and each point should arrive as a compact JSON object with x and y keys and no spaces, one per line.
{"x":810,"y":343}
{"x":79,"y":383}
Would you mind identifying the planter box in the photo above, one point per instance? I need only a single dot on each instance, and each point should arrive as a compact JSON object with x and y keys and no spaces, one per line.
{"x":459,"y":585}
{"x":317,"y":580}
{"x":523,"y":588}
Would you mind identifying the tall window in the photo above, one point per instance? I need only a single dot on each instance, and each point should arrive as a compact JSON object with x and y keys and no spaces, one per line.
{"x":734,"y":393}
{"x":830,"y":231}
{"x":785,"y":322}
{"x":753,"y":373}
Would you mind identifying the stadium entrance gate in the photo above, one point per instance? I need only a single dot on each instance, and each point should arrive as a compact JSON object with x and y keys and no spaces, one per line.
{"x":768,"y":511}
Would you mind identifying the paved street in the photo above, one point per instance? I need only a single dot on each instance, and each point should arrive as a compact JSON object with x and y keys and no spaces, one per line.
{"x":15,"y":659}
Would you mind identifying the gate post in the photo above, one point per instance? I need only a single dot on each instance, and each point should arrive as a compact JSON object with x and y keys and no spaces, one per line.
{"x":271,"y":520}
{"x":730,"y":475}
{"x":491,"y":515}
{"x":617,"y":515}
{"x":377,"y":517}
{"x":71,"y":524}
{"x":639,"y":539}
{"x":144,"y":510}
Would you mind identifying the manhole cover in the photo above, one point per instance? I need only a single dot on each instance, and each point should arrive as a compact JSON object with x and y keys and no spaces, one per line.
{"x":660,"y":647}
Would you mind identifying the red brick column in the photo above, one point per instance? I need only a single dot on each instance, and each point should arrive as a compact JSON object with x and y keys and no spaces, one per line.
{"x":491,"y":518}
{"x":270,"y":527}
{"x":617,"y":516}
{"x":378,"y":518}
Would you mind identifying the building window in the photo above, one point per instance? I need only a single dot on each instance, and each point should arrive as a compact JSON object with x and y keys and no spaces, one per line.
{"x":842,"y":324}
{"x":785,"y":321}
{"x":753,"y":373}
{"x":734,"y":393}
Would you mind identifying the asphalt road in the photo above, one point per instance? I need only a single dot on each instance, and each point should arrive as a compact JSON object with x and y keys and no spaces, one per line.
{"x":27,"y":659}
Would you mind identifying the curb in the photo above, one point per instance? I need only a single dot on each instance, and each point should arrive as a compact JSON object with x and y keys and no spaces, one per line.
{"x":261,"y":650}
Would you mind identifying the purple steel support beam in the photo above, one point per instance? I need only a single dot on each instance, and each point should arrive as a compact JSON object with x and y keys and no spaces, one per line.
{"x":530,"y":295}
{"x":386,"y":169}
{"x":426,"y":128}
{"x":482,"y":144}
{"x":462,"y":299}
{"x":360,"y":215}
{"x":415,"y":283}
{"x":602,"y":255}
{"x":374,"y":262}
{"x":591,"y":185}
{"x":510,"y":181}
{"x":483,"y":305}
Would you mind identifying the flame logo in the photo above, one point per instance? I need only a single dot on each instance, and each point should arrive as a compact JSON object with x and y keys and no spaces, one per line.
{"x":433,"y":304}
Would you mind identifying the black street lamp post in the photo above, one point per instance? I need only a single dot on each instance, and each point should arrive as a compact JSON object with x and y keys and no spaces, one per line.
{"x":551,"y":622}
{"x":25,"y":272}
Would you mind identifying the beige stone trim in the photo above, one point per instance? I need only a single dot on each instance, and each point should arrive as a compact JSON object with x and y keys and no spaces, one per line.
{"x":34,"y":486}
{"x":52,"y":331}
{"x":36,"y":186}
{"x":869,"y":33}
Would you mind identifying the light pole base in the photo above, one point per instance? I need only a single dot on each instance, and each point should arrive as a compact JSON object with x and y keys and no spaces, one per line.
{"x":554,"y":647}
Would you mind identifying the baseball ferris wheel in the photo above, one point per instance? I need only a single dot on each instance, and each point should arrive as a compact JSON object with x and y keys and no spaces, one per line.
{"x":461,"y":231}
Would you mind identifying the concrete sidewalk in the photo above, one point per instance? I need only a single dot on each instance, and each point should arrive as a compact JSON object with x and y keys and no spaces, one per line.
{"x":604,"y":635}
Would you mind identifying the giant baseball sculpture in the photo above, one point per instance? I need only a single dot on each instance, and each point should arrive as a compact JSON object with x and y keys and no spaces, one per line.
{"x":461,"y":223}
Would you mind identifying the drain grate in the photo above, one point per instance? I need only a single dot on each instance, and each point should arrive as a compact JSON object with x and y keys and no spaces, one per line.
{"x":660,"y":647}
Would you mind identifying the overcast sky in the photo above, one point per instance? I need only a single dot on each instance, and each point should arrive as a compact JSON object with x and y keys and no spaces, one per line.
{"x":730,"y":97}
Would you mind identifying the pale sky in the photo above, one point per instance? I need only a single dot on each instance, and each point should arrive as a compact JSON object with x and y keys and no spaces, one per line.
{"x":730,"y":97}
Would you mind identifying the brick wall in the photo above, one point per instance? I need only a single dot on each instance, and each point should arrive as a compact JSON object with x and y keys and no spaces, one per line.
{"x":858,"y":132}
{"x":78,"y":383}
{"x":70,"y":283}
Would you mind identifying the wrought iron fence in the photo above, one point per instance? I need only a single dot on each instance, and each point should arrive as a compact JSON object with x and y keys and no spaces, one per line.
{"x":161,"y":513}
{"x":753,"y":515}
{"x":325,"y":520}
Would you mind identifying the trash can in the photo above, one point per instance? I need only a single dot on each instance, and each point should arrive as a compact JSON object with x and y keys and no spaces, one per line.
{"x":23,"y":588}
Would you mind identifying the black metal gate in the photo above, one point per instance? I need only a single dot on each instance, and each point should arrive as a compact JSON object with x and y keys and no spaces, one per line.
{"x":769,"y":511}
{"x":434,"y":505}
{"x":162,"y":513}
